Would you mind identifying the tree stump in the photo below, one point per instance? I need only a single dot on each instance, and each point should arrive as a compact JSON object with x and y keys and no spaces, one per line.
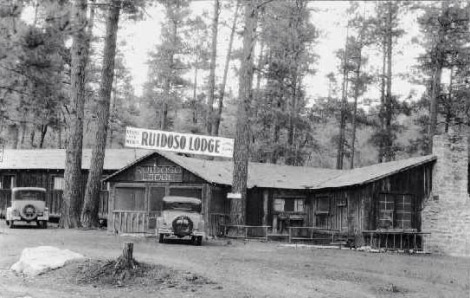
{"x":126,"y":261}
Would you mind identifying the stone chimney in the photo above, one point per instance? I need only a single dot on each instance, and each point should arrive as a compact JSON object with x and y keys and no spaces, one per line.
{"x":446,"y":213}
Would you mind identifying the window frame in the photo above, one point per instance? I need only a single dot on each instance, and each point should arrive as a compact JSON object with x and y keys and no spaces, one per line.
{"x":399,"y":202}
{"x":322,"y":216}
{"x":298,"y":201}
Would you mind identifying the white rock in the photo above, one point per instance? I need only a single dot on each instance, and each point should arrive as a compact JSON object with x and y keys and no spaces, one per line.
{"x":37,"y":260}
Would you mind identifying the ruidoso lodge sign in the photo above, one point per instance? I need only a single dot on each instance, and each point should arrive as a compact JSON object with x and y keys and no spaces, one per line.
{"x":178,"y":142}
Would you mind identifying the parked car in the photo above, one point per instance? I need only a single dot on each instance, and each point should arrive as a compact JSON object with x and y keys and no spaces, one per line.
{"x":28,"y":204}
{"x":181,"y":218}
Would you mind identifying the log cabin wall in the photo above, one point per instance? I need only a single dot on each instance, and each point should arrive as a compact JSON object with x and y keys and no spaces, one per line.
{"x":348,"y":210}
{"x":357,"y":208}
{"x":51,"y":180}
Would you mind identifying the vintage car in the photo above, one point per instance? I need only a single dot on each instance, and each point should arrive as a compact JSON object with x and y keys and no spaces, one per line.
{"x":181,"y":218}
{"x":28,"y":204}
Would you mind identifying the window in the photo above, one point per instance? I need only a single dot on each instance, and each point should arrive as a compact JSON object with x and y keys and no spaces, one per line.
{"x":386,"y":210}
{"x":289,"y":205}
{"x":130,"y":199}
{"x":322,"y":212}
{"x":156,"y":199}
{"x":395,"y":211}
{"x":58,"y":183}
{"x":403,"y":210}
{"x":279,"y":205}
{"x":8,"y":181}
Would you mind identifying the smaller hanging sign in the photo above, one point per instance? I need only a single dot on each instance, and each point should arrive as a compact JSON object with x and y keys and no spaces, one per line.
{"x":160,"y":173}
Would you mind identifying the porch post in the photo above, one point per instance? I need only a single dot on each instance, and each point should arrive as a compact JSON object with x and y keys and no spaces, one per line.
{"x":265,"y":206}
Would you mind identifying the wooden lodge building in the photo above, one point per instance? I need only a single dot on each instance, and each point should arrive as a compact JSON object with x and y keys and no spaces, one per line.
{"x":385,"y":196}
{"x":397,"y":202}
{"x":45,"y":168}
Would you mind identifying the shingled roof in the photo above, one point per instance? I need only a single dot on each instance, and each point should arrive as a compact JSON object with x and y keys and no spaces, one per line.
{"x":288,"y":177}
{"x":54,"y":159}
{"x":219,"y":172}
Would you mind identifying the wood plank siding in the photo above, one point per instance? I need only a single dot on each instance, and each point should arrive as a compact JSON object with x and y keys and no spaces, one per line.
{"x":348,"y":210}
{"x":44,"y":179}
{"x":136,"y":194}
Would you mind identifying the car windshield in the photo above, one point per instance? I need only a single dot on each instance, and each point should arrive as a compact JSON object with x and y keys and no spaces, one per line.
{"x":183,"y":206}
{"x":29,"y":195}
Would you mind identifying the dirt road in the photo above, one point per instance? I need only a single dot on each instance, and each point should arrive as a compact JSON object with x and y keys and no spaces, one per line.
{"x":239,"y":269}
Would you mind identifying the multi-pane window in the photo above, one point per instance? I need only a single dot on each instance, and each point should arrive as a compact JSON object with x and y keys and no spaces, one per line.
{"x":322,"y":211}
{"x":289,"y":205}
{"x":403,"y":210}
{"x":395,"y":211}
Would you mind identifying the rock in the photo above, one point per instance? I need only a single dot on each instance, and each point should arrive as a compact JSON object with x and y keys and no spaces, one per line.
{"x":37,"y":260}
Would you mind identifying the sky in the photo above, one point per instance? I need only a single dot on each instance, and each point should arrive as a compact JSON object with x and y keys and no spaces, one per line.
{"x":328,"y":16}
{"x":330,"y":19}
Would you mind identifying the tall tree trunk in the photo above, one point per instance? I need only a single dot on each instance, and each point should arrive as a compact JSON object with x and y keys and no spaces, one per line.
{"x":218,"y":117}
{"x":112,"y":111}
{"x":389,"y":109}
{"x":260,"y":66}
{"x":92,"y":193}
{"x":70,"y":212}
{"x":167,"y":84}
{"x":32,"y":136}
{"x":43,"y":135}
{"x":344,"y":103}
{"x":22,"y":130}
{"x":196,"y":69}
{"x":59,"y":137}
{"x":357,"y":86}
{"x":14,"y":133}
{"x":449,"y":102}
{"x":211,"y":99}
{"x":291,"y":128}
{"x":242,"y":136}
{"x":436,"y":79}
{"x":276,"y":129}
{"x":382,"y":101}
{"x":356,"y":98}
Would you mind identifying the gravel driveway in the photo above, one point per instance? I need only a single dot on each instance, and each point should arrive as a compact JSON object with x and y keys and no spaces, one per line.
{"x":239,"y":268}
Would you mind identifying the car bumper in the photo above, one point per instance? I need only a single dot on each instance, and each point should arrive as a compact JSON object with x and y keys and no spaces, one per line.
{"x":40,"y":218}
{"x":169,"y":232}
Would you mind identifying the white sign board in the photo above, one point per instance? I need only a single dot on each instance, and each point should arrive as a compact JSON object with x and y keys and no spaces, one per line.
{"x":178,"y":142}
{"x":232,"y":195}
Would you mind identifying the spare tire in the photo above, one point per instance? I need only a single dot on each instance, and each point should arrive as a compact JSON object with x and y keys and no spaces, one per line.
{"x":182,"y":226}
{"x":29,"y":212}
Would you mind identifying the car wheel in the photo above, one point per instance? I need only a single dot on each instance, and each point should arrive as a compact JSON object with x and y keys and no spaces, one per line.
{"x":161,"y":238}
{"x":198,"y":241}
{"x":44,"y":224}
{"x":10,"y":223}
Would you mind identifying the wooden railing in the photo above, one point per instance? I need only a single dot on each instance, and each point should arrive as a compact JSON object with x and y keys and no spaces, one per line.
{"x":134,"y":221}
{"x":313,"y":234}
{"x":217,"y":223}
